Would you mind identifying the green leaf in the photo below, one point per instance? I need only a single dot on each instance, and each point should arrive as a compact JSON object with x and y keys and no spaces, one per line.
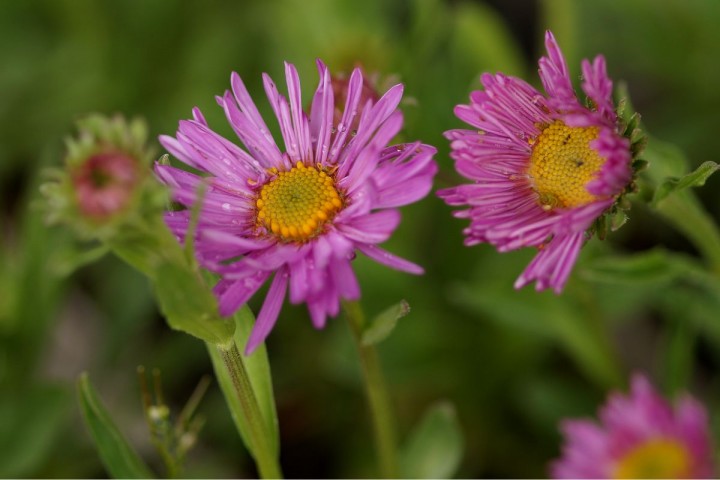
{"x":545,"y":316}
{"x":382,"y":326}
{"x":258,"y":369}
{"x":665,"y":160}
{"x":188,"y":305}
{"x":655,"y":266}
{"x":116,"y":453}
{"x":696,"y":178}
{"x":434,"y":449}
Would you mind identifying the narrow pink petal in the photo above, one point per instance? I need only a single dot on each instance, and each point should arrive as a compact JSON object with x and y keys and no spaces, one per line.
{"x":176,"y":150}
{"x":351,"y":106}
{"x":282,"y":112}
{"x":555,"y":75}
{"x":269,"y":311}
{"x":344,"y":279}
{"x":321,"y":115}
{"x":318,"y":315}
{"x":257,"y":140}
{"x":232,"y":294}
{"x":598,"y":87}
{"x":372,"y":228}
{"x":362,"y":166}
{"x":388,"y":259}
{"x":299,"y":119}
{"x":299,"y":283}
{"x":376,"y":117}
{"x":248,"y":108}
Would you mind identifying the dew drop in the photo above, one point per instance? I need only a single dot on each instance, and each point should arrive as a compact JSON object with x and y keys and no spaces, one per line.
{"x":226,"y":207}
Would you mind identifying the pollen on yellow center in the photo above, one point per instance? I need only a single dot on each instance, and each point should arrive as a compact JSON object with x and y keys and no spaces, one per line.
{"x":659,"y":458}
{"x":562,"y":163}
{"x":296,"y":204}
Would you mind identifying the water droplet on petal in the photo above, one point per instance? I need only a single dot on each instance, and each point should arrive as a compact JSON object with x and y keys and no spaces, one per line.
{"x":226,"y":206}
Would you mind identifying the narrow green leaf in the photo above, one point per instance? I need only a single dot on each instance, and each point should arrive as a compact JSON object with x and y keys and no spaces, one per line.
{"x":382,"y":326}
{"x":434,"y":449}
{"x":696,"y":178}
{"x":258,"y":369}
{"x":544,"y":315}
{"x":652,"y":267}
{"x":116,"y":453}
{"x":665,"y":160}
{"x":188,"y":305}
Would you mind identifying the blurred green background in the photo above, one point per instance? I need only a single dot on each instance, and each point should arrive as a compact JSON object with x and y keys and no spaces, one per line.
{"x":512,"y":363}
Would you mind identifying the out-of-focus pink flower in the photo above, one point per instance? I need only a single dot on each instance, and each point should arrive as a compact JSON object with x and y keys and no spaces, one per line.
{"x":639,"y":436}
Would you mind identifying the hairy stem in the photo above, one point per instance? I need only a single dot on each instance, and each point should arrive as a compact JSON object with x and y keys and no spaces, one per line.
{"x":377,"y":394}
{"x":260,"y":438}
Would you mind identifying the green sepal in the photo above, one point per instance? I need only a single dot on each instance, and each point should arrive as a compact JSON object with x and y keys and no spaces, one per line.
{"x":118,"y":456}
{"x":383,"y":324}
{"x":434,"y":448}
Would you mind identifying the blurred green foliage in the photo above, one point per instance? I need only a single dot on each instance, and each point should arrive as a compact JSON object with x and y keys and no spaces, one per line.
{"x":512,"y":363}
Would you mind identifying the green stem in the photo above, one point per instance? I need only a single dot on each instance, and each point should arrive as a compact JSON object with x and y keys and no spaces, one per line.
{"x":686,"y":213}
{"x":377,"y":394}
{"x":261,"y":439}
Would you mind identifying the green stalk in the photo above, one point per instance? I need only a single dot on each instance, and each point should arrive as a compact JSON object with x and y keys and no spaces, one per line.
{"x":377,"y":394}
{"x":686,"y":214}
{"x":260,"y":438}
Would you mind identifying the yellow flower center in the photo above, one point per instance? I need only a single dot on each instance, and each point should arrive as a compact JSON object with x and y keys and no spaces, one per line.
{"x":562,"y":163}
{"x":296,"y":204}
{"x":661,"y":458}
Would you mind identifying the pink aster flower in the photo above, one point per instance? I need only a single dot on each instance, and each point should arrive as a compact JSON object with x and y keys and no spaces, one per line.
{"x":544,"y":167}
{"x":297,"y":214}
{"x":640,"y":436}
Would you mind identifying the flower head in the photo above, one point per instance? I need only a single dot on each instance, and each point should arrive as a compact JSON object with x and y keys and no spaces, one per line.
{"x":545,"y":167}
{"x":299,"y":212}
{"x":104,"y":177}
{"x":640,"y":436}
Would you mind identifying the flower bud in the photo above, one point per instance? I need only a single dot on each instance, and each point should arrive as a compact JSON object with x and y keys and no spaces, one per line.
{"x":106,"y":179}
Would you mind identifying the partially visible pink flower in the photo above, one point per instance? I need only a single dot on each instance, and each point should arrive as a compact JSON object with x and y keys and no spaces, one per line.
{"x":299,"y":213}
{"x":105,"y":183}
{"x":639,"y":436}
{"x":544,"y":167}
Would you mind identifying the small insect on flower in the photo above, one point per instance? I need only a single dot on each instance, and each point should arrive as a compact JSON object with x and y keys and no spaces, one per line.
{"x":298,"y":213}
{"x":545,"y":168}
{"x":640,"y":436}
